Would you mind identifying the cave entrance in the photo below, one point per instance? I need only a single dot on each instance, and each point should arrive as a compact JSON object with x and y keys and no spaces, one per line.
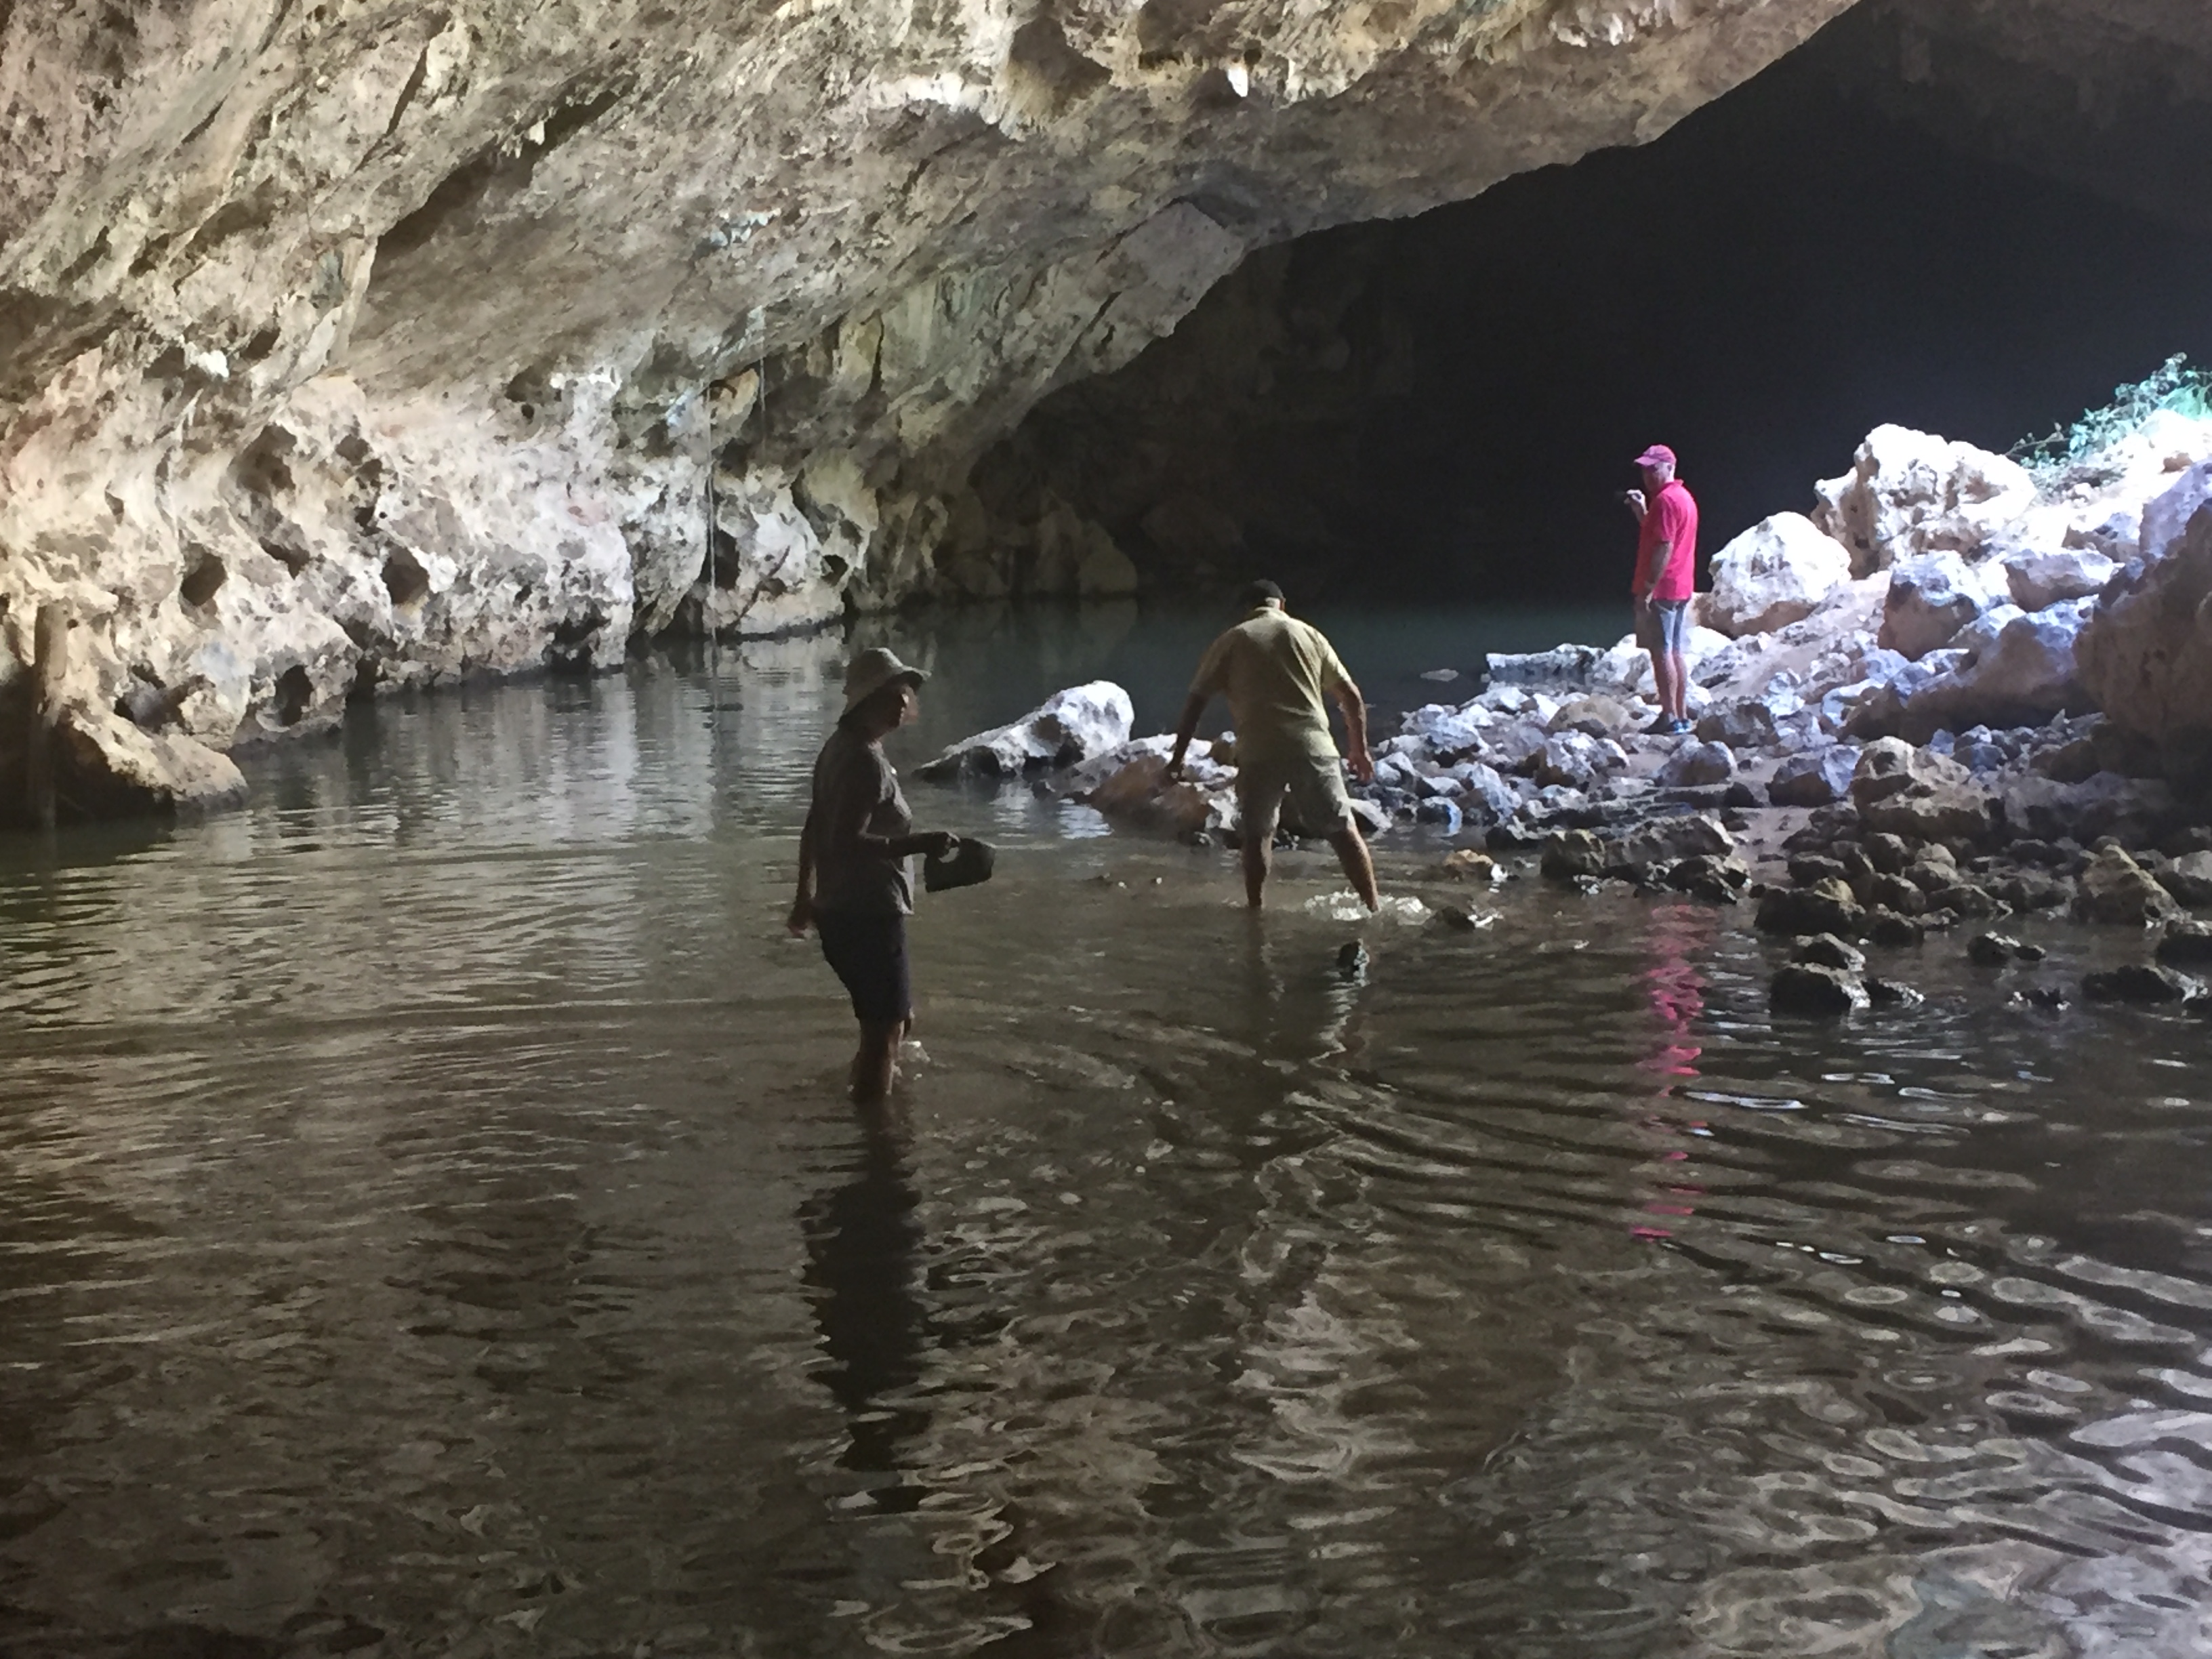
{"x":1447,"y":405}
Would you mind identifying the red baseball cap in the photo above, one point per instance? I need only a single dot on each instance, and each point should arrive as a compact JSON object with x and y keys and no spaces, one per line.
{"x":1658,"y":455}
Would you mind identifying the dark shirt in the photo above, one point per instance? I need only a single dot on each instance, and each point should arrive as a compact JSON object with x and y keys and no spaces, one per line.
{"x":855,"y":792}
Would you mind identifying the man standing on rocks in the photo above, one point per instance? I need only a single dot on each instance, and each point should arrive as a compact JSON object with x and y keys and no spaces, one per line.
{"x":1275,"y":670}
{"x":1666,"y":575}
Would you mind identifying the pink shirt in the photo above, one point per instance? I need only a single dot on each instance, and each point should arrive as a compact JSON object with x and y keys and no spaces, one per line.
{"x":1672,"y":517}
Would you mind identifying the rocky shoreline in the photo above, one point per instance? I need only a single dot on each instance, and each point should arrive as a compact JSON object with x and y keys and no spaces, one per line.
{"x":1955,"y":692}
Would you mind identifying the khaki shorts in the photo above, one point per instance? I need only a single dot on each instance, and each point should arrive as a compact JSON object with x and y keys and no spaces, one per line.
{"x":1314,"y":784}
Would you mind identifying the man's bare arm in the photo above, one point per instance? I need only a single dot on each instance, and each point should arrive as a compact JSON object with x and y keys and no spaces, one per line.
{"x":1355,"y":730}
{"x":1185,"y":728}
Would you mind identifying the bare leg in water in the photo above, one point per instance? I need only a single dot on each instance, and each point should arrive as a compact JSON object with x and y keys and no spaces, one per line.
{"x":875,"y":1066}
{"x":1358,"y":865}
{"x":1350,"y":852}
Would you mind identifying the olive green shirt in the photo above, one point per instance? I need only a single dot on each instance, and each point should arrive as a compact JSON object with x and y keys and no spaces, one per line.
{"x":1276,"y":672}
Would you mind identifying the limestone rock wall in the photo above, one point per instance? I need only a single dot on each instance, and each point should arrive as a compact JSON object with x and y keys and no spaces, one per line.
{"x":370,"y":341}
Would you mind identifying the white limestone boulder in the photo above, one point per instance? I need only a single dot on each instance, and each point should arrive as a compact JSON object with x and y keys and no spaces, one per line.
{"x":1909,"y":492}
{"x":1775,"y":573}
{"x":2037,"y":578}
{"x":1067,"y":728}
{"x":2027,"y":674}
{"x":1931,"y":597}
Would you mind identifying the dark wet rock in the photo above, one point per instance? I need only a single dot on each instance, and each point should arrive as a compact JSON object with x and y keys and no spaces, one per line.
{"x":1808,"y":868}
{"x":2187,"y":943}
{"x":1933,"y":869}
{"x":1896,"y":893}
{"x":1964,"y":898}
{"x":2115,"y":889}
{"x":1352,"y":960}
{"x":1665,"y":838}
{"x":1715,"y":880}
{"x":2046,"y":853}
{"x":1890,"y":994}
{"x":1994,"y":950}
{"x":2028,"y":890}
{"x":1826,"y":907}
{"x":2189,"y":878}
{"x":1826,"y":951}
{"x":2046,"y":996}
{"x":1461,"y":920}
{"x":2198,"y":1007}
{"x":1827,"y":826}
{"x":1440,"y":811}
{"x":1889,"y":854}
{"x":2181,"y":843}
{"x":2137,"y":982}
{"x":1819,"y":777}
{"x":1894,"y":932}
{"x":1371,"y":819}
{"x":1569,"y":853}
{"x":1815,"y":992}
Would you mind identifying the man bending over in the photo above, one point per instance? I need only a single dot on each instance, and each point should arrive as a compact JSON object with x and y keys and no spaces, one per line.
{"x":1275,"y":670}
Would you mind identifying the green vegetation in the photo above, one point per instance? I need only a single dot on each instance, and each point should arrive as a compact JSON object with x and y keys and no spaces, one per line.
{"x":2069,"y":454}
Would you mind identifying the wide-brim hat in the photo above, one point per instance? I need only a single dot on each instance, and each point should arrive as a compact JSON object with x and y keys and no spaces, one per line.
{"x":871,"y":671}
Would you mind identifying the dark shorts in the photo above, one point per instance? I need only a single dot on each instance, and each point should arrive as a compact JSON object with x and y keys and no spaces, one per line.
{"x":867,"y":949}
{"x":1663,"y":625}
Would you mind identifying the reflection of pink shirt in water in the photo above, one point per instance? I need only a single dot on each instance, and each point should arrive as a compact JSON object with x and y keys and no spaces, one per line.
{"x":1672,"y":517}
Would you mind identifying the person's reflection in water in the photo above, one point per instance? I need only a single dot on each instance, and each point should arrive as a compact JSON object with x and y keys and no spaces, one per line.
{"x":862,"y":1241}
{"x":1675,"y":989}
{"x":1302,"y":996}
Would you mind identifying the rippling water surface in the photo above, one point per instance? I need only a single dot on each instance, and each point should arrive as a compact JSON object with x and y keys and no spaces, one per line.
{"x":428,"y":1224}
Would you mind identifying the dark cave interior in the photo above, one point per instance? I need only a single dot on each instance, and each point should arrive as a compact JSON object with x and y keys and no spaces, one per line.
{"x":1449,"y":403}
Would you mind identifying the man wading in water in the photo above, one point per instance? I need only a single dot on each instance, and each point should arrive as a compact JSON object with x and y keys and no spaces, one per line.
{"x":1275,"y":670}
{"x":855,"y":884}
{"x":1666,"y":573}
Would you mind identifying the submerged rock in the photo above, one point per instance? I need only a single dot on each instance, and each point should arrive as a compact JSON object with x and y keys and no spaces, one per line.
{"x":2189,"y":878}
{"x":2186,"y":942}
{"x":2138,"y":982}
{"x":1825,"y":907}
{"x":1826,"y":951}
{"x":1816,"y":992}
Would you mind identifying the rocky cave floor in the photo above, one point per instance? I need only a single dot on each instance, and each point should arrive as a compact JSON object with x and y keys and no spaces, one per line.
{"x":1956,"y":692}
